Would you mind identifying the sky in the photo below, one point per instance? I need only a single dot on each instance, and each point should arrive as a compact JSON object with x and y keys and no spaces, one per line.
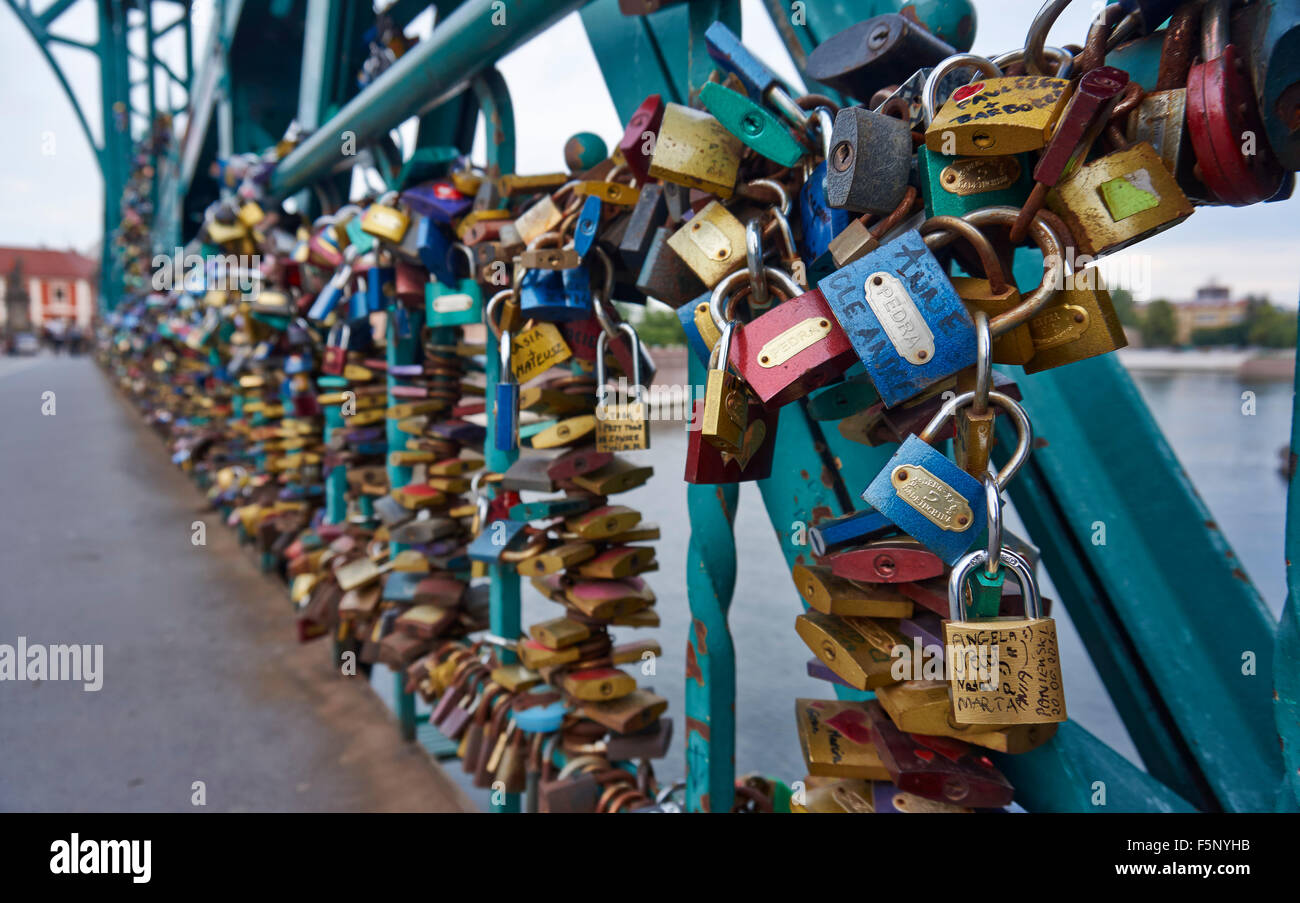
{"x":52,"y":191}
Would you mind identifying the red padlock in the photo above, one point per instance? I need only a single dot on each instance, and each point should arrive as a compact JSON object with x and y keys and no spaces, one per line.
{"x":410,"y":280}
{"x":794,"y":348}
{"x":1233,"y":156}
{"x":706,"y":464}
{"x":638,"y":146}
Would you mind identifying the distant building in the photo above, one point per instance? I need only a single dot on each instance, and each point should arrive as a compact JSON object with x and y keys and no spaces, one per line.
{"x":56,"y":285}
{"x":1212,"y":308}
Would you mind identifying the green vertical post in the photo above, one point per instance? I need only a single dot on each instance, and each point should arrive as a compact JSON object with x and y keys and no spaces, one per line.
{"x":504,"y":617}
{"x":1286,"y":648}
{"x":400,"y":351}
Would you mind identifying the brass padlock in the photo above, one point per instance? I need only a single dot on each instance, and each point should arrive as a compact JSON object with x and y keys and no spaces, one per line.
{"x":998,"y":116}
{"x":1079,"y":323}
{"x":1119,"y":199}
{"x":695,"y":150}
{"x":712,"y":244}
{"x":624,"y":426}
{"x":976,"y":651}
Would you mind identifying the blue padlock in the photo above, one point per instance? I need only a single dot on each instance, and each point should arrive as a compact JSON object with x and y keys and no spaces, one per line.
{"x":904,"y":317}
{"x":440,"y":201}
{"x":505,"y":402}
{"x":821,"y":221}
{"x":381,"y":288}
{"x":434,"y":248}
{"x":932,"y":499}
{"x":850,"y":529}
{"x":588,"y":224}
{"x":686,"y":314}
{"x":541,"y":719}
{"x":496,"y":537}
{"x":545,"y":295}
{"x":328,"y":298}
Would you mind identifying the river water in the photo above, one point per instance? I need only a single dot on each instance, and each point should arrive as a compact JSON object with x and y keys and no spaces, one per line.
{"x":1231,"y":457}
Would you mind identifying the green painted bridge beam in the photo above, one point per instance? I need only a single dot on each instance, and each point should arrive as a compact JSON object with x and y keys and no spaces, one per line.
{"x":471,"y":38}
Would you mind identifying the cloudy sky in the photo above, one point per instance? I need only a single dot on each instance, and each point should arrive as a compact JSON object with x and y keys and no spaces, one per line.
{"x":52,"y":192}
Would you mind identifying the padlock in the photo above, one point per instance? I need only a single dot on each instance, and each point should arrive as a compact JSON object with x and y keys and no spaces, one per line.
{"x":1222,"y":115}
{"x":857,"y":649}
{"x":505,"y":403}
{"x":336,"y":349}
{"x":847,"y":530}
{"x":335,"y":290}
{"x":1118,"y":199}
{"x":953,"y":186}
{"x":865,"y":57}
{"x":459,"y":303}
{"x":981,"y":694}
{"x":925,"y":707}
{"x":587,"y":226}
{"x":665,"y":276}
{"x":906,"y":321}
{"x":624,"y":426}
{"x":708,"y":464}
{"x":755,"y":126}
{"x":998,"y":116}
{"x":1079,"y":323}
{"x":695,"y":150}
{"x":870,"y":161}
{"x":542,"y":217}
{"x":932,"y":499}
{"x":936,"y":768}
{"x":440,"y":201}
{"x":384,"y":220}
{"x":647,"y":216}
{"x":758,"y":79}
{"x":832,"y":595}
{"x":380,"y":288}
{"x":794,"y":348}
{"x":726,"y":404}
{"x":712,"y":243}
{"x":835,"y":739}
{"x":543,"y":293}
{"x":1272,"y":46}
{"x":637,"y":144}
{"x":820,"y":221}
{"x":1089,"y":111}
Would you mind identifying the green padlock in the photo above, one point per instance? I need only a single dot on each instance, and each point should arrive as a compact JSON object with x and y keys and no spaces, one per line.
{"x":757,"y":127}
{"x":454,"y":305}
{"x":954,"y":186}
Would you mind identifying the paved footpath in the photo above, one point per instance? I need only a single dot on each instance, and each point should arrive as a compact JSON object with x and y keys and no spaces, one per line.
{"x":202,"y":677}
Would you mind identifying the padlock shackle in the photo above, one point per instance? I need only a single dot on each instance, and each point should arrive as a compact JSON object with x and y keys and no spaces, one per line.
{"x":1215,"y":21}
{"x":1013,"y":561}
{"x":993,"y":509}
{"x":1024,"y":429}
{"x":1053,"y":264}
{"x":1036,"y":38}
{"x":930,"y":93}
{"x":506,"y":352}
{"x":1063,"y":59}
{"x":602,"y":343}
{"x":754,"y":264}
{"x":783,"y":196}
{"x":469,"y":257}
{"x":992,"y":266}
{"x":489,"y":312}
{"x":721,"y":301}
{"x":983,"y":361}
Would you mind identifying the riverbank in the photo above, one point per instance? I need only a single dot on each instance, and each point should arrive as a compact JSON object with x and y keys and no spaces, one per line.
{"x":1245,"y":363}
